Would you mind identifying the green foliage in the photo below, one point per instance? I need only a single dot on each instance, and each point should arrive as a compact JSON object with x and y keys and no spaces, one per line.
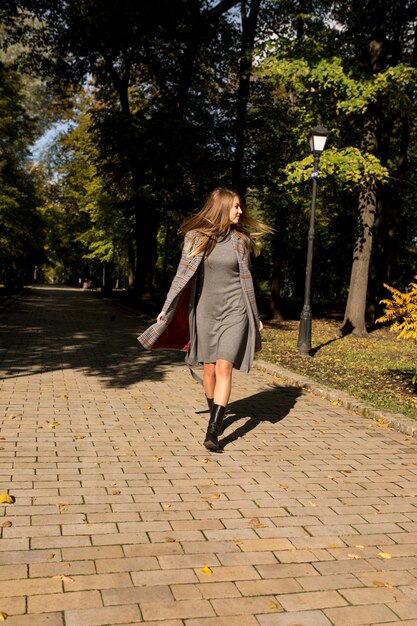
{"x":350,"y":166}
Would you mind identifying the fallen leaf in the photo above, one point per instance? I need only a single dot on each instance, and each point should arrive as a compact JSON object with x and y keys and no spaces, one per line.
{"x":65,"y":579}
{"x":332,"y":477}
{"x":3,"y":616}
{"x":115,"y":492}
{"x":379,"y":583}
{"x":360,"y":546}
{"x":157,"y":458}
{"x":212,"y":496}
{"x":113,"y":484}
{"x":336,"y":403}
{"x":169,"y":539}
{"x":62,"y":508}
{"x":312,"y":504}
{"x":354,"y":556}
{"x":333,"y":545}
{"x":274,"y":606}
{"x":384,"y":555}
{"x":75,"y":437}
{"x":6,"y":524}
{"x":207,"y":570}
{"x":165,"y":505}
{"x":5,"y":498}
{"x":148,"y":406}
{"x":11,"y":417}
{"x":54,"y":425}
{"x":50,"y":557}
{"x":255,"y":522}
{"x":65,"y":396}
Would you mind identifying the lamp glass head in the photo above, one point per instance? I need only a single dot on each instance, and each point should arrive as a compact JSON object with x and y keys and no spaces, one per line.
{"x":318,"y":138}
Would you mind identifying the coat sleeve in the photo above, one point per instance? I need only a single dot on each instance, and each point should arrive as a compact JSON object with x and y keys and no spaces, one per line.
{"x":181,"y":277}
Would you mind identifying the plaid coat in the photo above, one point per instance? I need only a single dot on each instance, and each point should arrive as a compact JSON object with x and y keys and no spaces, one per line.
{"x":173,"y":332}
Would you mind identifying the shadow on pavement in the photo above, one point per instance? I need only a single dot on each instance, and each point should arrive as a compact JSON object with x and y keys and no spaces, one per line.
{"x":55,"y":328}
{"x":271,"y":405}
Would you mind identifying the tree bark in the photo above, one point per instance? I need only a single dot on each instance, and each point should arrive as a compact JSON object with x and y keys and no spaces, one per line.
{"x":354,"y":320}
{"x":249,"y":24}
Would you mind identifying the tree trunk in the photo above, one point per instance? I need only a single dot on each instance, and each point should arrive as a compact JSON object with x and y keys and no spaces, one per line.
{"x":275,"y":301}
{"x":354,"y":319}
{"x":249,"y":24}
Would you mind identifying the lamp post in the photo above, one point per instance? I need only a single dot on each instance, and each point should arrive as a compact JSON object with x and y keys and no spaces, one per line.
{"x":318,"y":138}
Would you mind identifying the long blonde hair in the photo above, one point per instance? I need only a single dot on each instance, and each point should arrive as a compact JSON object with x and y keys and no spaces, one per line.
{"x":213,"y":221}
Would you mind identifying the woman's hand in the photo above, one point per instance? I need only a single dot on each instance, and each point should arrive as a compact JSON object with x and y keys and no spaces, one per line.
{"x":261,"y":326}
{"x":160,"y":317}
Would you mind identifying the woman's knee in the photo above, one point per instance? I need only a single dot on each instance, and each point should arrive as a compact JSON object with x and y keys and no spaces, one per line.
{"x":209,"y":370}
{"x":224,"y":369}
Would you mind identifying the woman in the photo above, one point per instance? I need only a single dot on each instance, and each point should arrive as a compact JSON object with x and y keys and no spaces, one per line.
{"x":210,"y":309}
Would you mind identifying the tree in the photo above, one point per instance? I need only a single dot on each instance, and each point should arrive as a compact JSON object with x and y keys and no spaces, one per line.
{"x":21,"y":228}
{"x":139,"y":55}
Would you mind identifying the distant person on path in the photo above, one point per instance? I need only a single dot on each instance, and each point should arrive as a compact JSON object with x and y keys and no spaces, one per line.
{"x":210,"y":309}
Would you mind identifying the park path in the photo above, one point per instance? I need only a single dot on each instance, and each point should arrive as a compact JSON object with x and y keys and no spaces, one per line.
{"x":308,"y":517}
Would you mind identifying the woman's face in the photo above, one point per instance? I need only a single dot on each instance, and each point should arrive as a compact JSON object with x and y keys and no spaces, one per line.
{"x":235,"y":211}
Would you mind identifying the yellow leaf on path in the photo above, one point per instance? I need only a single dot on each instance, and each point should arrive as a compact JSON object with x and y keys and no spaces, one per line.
{"x":65,"y":396}
{"x":207,"y":570}
{"x":5,"y":498}
{"x":54,"y":425}
{"x":274,"y":606}
{"x":256,"y":523}
{"x":50,"y":557}
{"x":360,"y":546}
{"x":166,"y":505}
{"x":148,"y":406}
{"x":6,"y":524}
{"x":11,"y":417}
{"x":157,"y":458}
{"x":3,"y":616}
{"x":333,"y":545}
{"x":336,"y":403}
{"x":312,"y":504}
{"x":169,"y":539}
{"x":65,"y":579}
{"x":384,"y":555}
{"x":75,"y":437}
{"x":354,"y":556}
{"x":379,"y":583}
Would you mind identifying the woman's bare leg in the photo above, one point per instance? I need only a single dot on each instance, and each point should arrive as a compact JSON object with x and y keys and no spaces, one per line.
{"x":223,"y":384}
{"x":209,"y":379}
{"x":223,"y":378}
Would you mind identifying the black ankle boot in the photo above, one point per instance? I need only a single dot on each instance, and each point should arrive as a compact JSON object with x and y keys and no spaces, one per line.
{"x":214,"y":427}
{"x":210,"y":402}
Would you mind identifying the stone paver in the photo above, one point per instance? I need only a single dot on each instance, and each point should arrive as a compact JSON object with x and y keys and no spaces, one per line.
{"x":309,"y":516}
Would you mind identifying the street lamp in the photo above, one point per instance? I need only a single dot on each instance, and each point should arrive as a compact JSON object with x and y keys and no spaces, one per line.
{"x":318,"y":138}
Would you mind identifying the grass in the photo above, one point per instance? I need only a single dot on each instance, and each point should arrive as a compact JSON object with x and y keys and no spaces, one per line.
{"x":377,"y":369}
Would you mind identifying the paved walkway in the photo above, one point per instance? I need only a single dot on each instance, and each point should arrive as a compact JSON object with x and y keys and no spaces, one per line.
{"x":308,"y":517}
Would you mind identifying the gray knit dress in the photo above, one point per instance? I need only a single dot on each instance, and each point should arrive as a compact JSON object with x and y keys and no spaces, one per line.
{"x":221,"y":311}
